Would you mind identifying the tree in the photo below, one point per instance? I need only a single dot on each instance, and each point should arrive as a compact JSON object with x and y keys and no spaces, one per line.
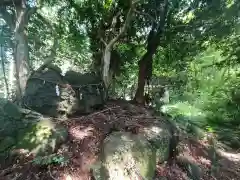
{"x":16,"y":14}
{"x":153,"y":41}
{"x":190,"y":23}
{"x":109,"y":46}
{"x":106,"y":18}
{"x":3,"y":46}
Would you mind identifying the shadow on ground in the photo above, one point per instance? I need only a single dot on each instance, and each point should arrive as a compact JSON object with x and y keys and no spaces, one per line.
{"x":196,"y":158}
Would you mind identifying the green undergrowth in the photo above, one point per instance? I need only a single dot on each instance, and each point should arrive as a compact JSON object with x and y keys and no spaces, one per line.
{"x":52,"y":159}
{"x":199,"y":121}
{"x":208,"y":97}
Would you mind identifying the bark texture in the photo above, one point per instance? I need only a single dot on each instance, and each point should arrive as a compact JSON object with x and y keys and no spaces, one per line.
{"x":146,"y":62}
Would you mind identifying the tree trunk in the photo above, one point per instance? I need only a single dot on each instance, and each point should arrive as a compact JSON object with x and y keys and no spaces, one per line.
{"x":112,"y":42}
{"x":106,"y":65}
{"x":146,"y":62}
{"x":21,"y":53}
{"x":11,"y":78}
{"x":18,"y":22}
{"x":7,"y":93}
{"x":21,"y":58}
{"x":145,"y":67}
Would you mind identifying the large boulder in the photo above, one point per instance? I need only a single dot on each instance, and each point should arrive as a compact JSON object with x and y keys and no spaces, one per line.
{"x":27,"y":130}
{"x":10,"y":116}
{"x":50,"y":93}
{"x":41,"y":138}
{"x":125,"y":156}
{"x":47,"y":93}
{"x":89,"y":89}
{"x":160,"y":137}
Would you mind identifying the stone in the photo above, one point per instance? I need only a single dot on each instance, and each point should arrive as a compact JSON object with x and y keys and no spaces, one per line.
{"x":52,"y":94}
{"x":125,"y":156}
{"x":159,"y":136}
{"x":43,"y":92}
{"x":27,"y":130}
{"x":193,"y":170}
{"x":6,"y":143}
{"x":11,"y":110}
{"x":10,"y":117}
{"x":76,"y":78}
{"x":41,"y":138}
{"x":47,"y":92}
{"x":89,"y":88}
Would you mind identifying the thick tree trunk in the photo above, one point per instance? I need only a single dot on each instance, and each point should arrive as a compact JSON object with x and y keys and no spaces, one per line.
{"x":145,"y":70}
{"x":146,"y":62}
{"x":11,"y":78}
{"x":106,"y":65}
{"x":21,"y":58}
{"x":7,"y":92}
{"x":18,"y":22}
{"x":21,"y":52}
{"x":112,"y":42}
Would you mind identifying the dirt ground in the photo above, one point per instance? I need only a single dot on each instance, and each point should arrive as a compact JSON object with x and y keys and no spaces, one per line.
{"x":86,"y":134}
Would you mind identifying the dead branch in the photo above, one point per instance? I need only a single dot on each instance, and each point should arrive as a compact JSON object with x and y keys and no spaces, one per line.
{"x":96,"y":113}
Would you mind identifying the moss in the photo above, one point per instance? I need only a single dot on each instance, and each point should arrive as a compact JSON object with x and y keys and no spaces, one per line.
{"x":159,"y":137}
{"x":145,"y":155}
{"x":42,"y":137}
{"x":126,"y":155}
{"x":12,"y":110}
{"x":6,"y":143}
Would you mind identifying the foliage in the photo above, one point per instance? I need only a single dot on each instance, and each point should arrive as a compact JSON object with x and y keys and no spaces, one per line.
{"x":59,"y":28}
{"x":210,"y":97}
{"x":50,"y":160}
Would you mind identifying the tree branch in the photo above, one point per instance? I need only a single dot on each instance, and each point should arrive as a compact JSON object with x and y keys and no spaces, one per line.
{"x":145,"y":14}
{"x":54,"y":48}
{"x":163,"y":18}
{"x":20,"y":20}
{"x":109,"y":46}
{"x":104,"y":42}
{"x":156,"y":32}
{"x":125,"y":26}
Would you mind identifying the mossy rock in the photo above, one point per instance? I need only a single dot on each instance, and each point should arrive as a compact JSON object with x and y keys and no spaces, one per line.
{"x":6,"y":143}
{"x":10,"y":118}
{"x":9,"y":109}
{"x":41,"y":138}
{"x":125,"y":156}
{"x":193,"y":170}
{"x":159,"y":136}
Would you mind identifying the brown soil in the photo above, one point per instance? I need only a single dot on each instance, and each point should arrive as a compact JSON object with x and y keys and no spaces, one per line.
{"x":83,"y":145}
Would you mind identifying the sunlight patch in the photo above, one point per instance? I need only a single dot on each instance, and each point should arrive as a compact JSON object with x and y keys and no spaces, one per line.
{"x":230,"y":156}
{"x":81,"y":133}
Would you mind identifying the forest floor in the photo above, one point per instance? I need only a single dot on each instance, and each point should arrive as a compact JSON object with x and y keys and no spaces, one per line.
{"x":84,"y":143}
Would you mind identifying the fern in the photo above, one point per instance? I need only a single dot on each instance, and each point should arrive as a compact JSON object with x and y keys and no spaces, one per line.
{"x":51,"y":159}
